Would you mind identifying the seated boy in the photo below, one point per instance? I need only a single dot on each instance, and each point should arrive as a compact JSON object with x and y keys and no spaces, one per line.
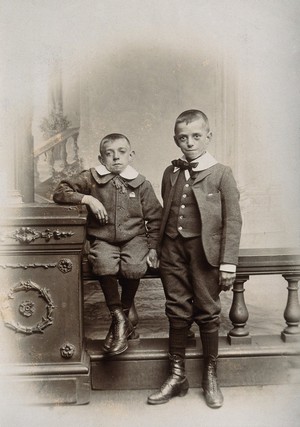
{"x":123,"y":227}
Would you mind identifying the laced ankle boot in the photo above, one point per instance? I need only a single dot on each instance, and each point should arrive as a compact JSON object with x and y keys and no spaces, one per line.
{"x":131,"y":314}
{"x":212,"y":393}
{"x":175,"y":385}
{"x":121,"y":329}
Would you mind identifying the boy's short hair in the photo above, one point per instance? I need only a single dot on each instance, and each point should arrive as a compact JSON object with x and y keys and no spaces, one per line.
{"x":112,"y":137}
{"x":189,"y":116}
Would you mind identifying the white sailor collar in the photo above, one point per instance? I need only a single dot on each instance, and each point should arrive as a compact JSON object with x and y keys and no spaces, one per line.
{"x":204,"y":161}
{"x":128,"y":173}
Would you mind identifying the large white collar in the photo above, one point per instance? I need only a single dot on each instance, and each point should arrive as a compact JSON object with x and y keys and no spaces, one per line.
{"x":128,"y":173}
{"x":204,"y":161}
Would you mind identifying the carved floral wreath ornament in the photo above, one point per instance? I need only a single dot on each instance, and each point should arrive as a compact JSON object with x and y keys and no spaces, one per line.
{"x":27,"y":308}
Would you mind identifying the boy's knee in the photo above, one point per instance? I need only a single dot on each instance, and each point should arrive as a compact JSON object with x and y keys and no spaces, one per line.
{"x":133,"y":271}
{"x":103,"y":267}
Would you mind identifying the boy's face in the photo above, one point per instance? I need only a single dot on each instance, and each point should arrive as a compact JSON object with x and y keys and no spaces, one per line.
{"x":116,"y":155}
{"x":192,"y":138}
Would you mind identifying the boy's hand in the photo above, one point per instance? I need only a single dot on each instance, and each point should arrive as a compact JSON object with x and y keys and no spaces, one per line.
{"x":226,"y":280}
{"x":152,"y":259}
{"x":97,"y":208}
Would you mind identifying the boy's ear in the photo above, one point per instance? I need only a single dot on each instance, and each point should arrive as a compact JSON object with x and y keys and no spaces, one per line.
{"x":208,"y":137}
{"x":131,"y":156}
{"x":100,"y":159}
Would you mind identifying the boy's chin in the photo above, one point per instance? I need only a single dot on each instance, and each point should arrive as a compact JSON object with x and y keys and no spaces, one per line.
{"x":116,"y":169}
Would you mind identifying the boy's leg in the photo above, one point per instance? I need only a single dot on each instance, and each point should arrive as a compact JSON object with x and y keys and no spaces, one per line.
{"x":109,"y":286}
{"x":120,"y":328}
{"x":207,"y":309}
{"x":212,"y":393}
{"x":177,"y":382}
{"x":105,"y":260}
{"x":129,"y":289}
{"x":175,"y":278}
{"x":133,"y":265}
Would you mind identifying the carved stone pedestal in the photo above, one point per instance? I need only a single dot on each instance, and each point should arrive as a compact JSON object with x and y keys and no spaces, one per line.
{"x":43,"y":358}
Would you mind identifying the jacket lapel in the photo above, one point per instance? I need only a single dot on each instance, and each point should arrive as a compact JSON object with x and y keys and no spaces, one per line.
{"x":201,"y":175}
{"x":174,"y":176}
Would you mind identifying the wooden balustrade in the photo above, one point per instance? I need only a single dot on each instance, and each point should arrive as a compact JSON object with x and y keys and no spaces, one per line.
{"x":265,"y":262}
{"x":56,"y":159}
{"x":285,"y":262}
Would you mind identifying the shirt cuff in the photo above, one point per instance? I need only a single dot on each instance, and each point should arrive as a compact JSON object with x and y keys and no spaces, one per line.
{"x":84,"y":199}
{"x":229,"y":268}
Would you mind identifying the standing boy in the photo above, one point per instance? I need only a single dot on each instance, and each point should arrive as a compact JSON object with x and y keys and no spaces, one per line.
{"x":201,"y":228}
{"x":123,"y":227}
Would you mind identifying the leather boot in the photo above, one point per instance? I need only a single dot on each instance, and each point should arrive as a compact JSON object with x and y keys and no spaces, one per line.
{"x":109,"y":338}
{"x":176,"y":384}
{"x":212,"y":393}
{"x":120,"y":329}
{"x":131,"y":314}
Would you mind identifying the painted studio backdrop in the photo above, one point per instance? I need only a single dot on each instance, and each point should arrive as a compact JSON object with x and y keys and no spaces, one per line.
{"x":73,"y":71}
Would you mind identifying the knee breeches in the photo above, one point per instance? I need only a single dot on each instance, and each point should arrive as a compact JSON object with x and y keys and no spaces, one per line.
{"x":191,"y":285}
{"x":129,"y":259}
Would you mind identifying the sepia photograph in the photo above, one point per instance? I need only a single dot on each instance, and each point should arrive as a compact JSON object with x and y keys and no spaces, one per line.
{"x":149,"y":213}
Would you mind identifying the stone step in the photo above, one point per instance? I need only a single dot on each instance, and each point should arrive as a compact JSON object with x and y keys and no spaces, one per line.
{"x":267,"y":360}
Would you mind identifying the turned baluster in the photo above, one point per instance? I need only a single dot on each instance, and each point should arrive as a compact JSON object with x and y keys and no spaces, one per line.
{"x":239,"y":314}
{"x":292,"y":310}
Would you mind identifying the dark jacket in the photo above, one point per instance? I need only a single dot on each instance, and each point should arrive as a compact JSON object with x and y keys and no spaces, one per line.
{"x":134,"y":212}
{"x":217,"y":198}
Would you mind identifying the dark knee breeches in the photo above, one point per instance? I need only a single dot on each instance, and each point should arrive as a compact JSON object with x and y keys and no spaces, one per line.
{"x":191,"y":285}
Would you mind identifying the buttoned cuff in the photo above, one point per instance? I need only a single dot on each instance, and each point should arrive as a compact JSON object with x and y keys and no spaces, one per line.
{"x":229,"y":268}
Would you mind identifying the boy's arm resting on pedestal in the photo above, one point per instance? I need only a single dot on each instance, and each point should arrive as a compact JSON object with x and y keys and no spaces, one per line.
{"x":76,"y":190}
{"x":71,"y":190}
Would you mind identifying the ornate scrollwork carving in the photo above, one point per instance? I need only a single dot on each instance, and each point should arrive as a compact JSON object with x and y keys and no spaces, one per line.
{"x":27,"y":308}
{"x":67,"y":351}
{"x":30,"y":265}
{"x":64,"y":265}
{"x":26,"y":235}
{"x":56,"y":234}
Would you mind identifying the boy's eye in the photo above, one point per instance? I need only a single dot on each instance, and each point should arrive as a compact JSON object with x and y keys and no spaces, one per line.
{"x":197,"y":136}
{"x":182,"y":138}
